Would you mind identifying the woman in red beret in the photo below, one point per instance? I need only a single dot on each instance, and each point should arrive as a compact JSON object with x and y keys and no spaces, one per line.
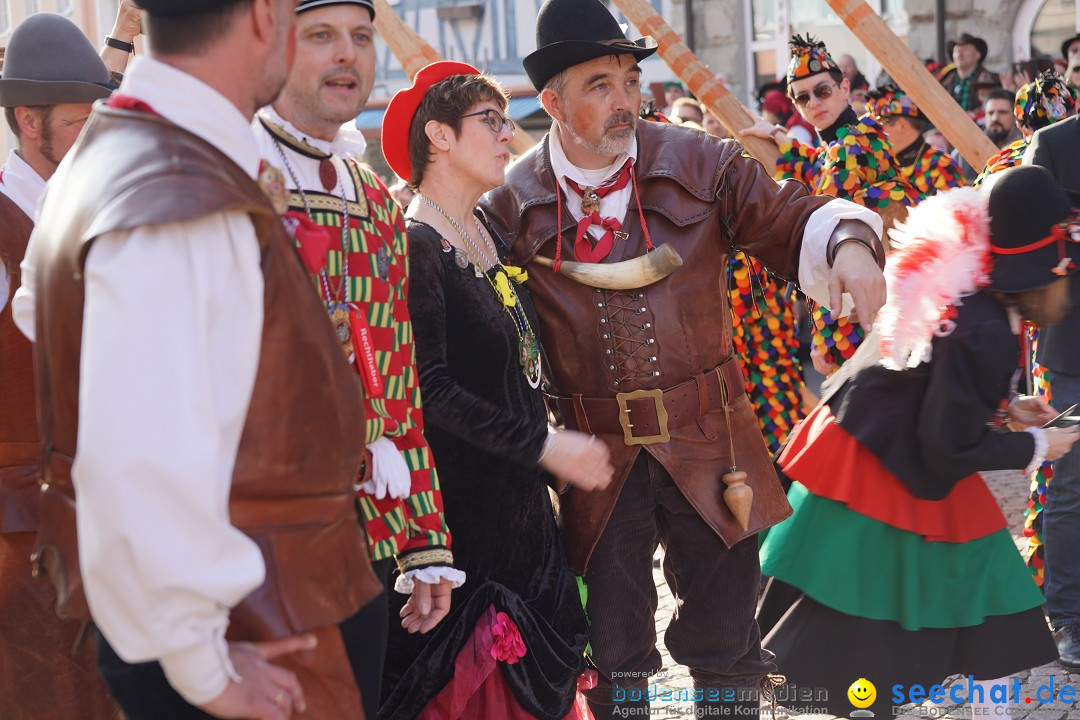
{"x":513,"y":646}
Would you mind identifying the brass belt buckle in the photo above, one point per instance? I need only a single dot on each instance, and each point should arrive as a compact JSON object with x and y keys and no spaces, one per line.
{"x":661,"y":417}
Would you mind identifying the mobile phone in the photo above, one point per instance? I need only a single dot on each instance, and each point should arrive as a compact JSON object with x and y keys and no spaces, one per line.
{"x":1065,"y":419}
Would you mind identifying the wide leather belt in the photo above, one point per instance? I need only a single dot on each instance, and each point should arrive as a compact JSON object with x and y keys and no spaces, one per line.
{"x":644,"y":417}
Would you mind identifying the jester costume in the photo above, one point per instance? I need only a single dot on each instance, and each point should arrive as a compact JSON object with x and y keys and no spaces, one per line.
{"x":921,"y":164}
{"x":855,"y":162}
{"x":1041,"y":102}
{"x":361,"y":271}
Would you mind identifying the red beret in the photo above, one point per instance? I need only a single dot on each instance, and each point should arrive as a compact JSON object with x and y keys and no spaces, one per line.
{"x":397,"y":120}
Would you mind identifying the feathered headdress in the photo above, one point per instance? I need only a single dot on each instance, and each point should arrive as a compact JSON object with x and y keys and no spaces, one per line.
{"x":891,"y":100}
{"x":808,"y":57}
{"x":1044,"y":101}
{"x":942,"y":254}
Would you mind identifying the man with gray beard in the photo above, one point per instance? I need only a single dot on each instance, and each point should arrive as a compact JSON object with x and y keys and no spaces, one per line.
{"x":627,"y":228}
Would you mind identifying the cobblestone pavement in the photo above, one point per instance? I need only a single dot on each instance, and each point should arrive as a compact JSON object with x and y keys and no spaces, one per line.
{"x":1011,"y":492}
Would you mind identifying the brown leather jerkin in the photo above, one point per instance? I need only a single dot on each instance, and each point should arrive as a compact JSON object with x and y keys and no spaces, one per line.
{"x":45,"y":672}
{"x":705,"y":197}
{"x":292,"y":485}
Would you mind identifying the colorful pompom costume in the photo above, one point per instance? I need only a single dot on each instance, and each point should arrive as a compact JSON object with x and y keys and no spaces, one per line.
{"x":856,"y":163}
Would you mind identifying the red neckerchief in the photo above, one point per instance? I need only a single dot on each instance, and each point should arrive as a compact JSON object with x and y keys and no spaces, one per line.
{"x":583,"y":248}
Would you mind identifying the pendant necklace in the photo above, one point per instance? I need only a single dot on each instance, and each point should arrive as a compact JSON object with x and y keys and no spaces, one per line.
{"x":338,"y":305}
{"x":499,"y":276}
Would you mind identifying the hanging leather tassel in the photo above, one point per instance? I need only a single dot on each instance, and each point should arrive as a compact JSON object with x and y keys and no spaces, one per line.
{"x":738,"y":496}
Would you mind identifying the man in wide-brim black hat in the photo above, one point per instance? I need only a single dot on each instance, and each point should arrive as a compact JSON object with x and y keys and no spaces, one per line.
{"x":642,"y":358}
{"x":217,"y":548}
{"x":966,"y":72}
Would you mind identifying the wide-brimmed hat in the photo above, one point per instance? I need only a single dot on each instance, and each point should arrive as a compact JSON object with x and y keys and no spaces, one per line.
{"x":967,"y":39}
{"x":306,"y":5}
{"x":397,"y":120}
{"x":809,"y":56}
{"x":570,"y":32}
{"x":1034,"y":230}
{"x":1065,"y":45}
{"x":50,"y":62}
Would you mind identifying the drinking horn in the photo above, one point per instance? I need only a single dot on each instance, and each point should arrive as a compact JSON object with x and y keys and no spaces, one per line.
{"x":626,"y":275}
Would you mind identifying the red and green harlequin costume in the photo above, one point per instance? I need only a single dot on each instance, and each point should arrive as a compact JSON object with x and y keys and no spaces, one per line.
{"x":1040,"y":480}
{"x":412,"y":528}
{"x":858,"y":166}
{"x":763,"y":333}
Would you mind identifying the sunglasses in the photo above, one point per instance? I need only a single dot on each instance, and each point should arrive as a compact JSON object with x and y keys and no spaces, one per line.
{"x":494,"y":120}
{"x":823,"y":91}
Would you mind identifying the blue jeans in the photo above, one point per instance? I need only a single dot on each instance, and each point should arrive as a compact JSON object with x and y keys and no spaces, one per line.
{"x":1061,"y":520}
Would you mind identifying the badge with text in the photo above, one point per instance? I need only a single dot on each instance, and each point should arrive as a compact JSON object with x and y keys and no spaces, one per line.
{"x":365,"y":355}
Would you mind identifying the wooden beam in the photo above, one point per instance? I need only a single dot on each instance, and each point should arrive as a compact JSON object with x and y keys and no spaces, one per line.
{"x":910,"y":74}
{"x":702,"y":82}
{"x":413,"y":52}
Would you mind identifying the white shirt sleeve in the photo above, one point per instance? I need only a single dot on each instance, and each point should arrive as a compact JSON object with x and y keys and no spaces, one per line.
{"x":814,"y":270}
{"x":172,"y":330}
{"x":5,"y":285}
{"x":22,"y":303}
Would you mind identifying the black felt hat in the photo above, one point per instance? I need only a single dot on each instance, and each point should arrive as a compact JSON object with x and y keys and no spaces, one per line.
{"x":967,"y":39}
{"x":570,"y":32}
{"x":181,"y":7}
{"x":49,"y":61}
{"x":1034,"y":230}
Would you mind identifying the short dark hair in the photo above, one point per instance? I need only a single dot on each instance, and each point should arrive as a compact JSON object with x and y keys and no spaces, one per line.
{"x":45,"y":111}
{"x":192,"y":34}
{"x":446,"y":102}
{"x":1000,"y":93}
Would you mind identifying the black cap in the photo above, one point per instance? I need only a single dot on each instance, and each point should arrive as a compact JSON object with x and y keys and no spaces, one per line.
{"x":967,"y":39}
{"x":570,"y":32}
{"x":1025,"y":205}
{"x":306,"y":5}
{"x":1065,"y":45}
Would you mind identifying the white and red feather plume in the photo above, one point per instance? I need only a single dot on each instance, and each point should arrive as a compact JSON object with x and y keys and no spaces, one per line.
{"x":941,"y":254}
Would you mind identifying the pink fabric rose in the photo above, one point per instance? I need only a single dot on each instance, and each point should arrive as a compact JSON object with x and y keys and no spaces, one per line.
{"x":508,"y":646}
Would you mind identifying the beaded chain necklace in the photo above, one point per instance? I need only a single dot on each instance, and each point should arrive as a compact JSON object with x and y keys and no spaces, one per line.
{"x":337,"y":302}
{"x":499,"y":276}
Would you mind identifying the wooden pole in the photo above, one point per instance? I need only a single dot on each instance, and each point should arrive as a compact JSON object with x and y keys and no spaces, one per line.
{"x":702,"y":82}
{"x":910,"y":74}
{"x":413,"y":52}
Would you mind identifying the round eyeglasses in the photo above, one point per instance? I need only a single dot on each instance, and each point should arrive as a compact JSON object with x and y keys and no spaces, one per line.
{"x":494,"y":120}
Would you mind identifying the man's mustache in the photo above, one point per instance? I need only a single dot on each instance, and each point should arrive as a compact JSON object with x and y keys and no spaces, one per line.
{"x":621,"y":119}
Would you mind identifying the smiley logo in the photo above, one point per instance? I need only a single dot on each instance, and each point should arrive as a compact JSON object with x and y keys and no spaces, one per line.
{"x":862,"y":693}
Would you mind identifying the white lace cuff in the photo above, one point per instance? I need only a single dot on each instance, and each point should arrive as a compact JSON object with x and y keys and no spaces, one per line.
{"x":1041,"y":445}
{"x":430,"y":575}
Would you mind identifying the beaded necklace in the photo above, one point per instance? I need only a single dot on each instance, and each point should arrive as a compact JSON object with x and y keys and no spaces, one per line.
{"x":337,"y":302}
{"x":498,"y":276}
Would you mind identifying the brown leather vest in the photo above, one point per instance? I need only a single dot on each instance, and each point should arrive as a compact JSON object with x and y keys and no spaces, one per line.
{"x":706,"y":198}
{"x":292,"y":487}
{"x":19,"y":449}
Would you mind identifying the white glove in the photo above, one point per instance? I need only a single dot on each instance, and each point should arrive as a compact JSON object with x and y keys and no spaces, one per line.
{"x":389,"y":473}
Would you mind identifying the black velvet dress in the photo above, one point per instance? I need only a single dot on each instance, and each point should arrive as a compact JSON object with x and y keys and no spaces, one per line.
{"x":486,"y":428}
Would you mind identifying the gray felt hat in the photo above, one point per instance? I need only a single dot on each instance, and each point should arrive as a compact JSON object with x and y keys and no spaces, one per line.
{"x":49,"y":62}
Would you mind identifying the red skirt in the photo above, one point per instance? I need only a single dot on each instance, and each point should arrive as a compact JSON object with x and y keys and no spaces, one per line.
{"x":477,"y":688}
{"x":858,"y":479}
